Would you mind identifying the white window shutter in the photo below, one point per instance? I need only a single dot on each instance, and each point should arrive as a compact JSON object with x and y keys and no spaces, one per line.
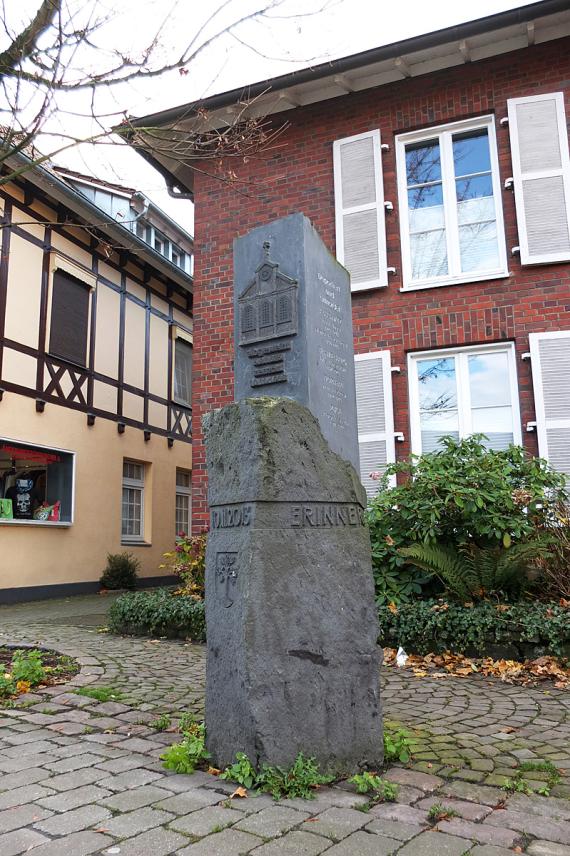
{"x":359,"y":210}
{"x":375,"y":415}
{"x":550,"y":359}
{"x":541,"y":173}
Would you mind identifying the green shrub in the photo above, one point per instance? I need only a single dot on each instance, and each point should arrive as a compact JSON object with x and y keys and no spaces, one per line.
{"x":242,"y":771}
{"x":461,"y":495}
{"x":158,"y":613}
{"x":397,"y":744}
{"x":475,"y":572}
{"x":431,"y":626}
{"x":369,"y":783}
{"x":121,"y":571}
{"x":188,"y":561}
{"x":7,"y":685}
{"x":27,"y":666}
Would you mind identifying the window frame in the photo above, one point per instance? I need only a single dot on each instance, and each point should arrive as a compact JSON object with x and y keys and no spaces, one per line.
{"x":178,"y":334}
{"x":186,"y":491}
{"x":463,"y":391}
{"x":67,"y":266}
{"x":134,"y":484}
{"x":55,"y":524}
{"x":444,"y":134}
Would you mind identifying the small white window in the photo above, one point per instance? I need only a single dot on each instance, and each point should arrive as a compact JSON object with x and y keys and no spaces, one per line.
{"x":459,"y":393}
{"x":183,"y":493}
{"x":451,"y":217}
{"x":132,"y":518}
{"x":183,"y":372}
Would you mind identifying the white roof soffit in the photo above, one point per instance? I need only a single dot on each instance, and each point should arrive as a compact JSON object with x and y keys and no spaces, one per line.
{"x":420,"y":62}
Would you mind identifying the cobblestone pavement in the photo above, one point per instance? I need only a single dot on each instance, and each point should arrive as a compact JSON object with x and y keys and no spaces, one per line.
{"x":81,"y":777}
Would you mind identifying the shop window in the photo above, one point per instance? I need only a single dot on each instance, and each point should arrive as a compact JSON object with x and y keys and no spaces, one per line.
{"x":69,"y":325}
{"x":183,"y":491}
{"x":183,"y":372}
{"x":132,"y":517}
{"x":36,"y":484}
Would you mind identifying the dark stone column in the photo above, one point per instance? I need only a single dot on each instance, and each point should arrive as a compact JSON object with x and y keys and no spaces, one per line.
{"x":293,"y":663}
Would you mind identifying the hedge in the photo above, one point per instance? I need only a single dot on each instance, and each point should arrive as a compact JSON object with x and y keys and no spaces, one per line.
{"x":522,"y":630}
{"x":158,"y":613}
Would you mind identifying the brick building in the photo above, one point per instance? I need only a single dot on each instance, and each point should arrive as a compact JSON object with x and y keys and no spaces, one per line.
{"x":438,"y":171}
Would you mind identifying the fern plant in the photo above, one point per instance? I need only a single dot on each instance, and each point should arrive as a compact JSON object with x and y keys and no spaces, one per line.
{"x":472,"y":571}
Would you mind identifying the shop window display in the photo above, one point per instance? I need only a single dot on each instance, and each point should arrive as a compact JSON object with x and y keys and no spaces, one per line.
{"x":36,"y":484}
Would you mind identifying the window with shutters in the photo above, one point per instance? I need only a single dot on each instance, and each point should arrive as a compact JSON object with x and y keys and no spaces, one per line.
{"x":550,"y":360}
{"x":541,"y":176}
{"x":451,"y":218}
{"x":375,"y":416}
{"x":183,"y":494}
{"x":69,"y":319}
{"x":183,"y":372}
{"x":464,"y":392}
{"x":132,"y":517}
{"x":359,"y":210}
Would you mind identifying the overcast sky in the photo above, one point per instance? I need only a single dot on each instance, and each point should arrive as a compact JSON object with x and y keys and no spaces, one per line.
{"x":280,"y":45}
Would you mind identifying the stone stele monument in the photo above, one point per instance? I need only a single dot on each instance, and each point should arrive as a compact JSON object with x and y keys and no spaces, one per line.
{"x":293,"y":664}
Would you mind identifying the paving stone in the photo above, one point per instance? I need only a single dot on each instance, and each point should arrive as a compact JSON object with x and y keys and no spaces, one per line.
{"x":73,"y":821}
{"x":547,"y":848}
{"x":122,"y":764}
{"x":21,"y":796}
{"x":551,"y":807}
{"x":277,"y":819}
{"x":414,"y":779}
{"x":190,"y":801}
{"x":401,"y":813}
{"x":30,"y":749}
{"x":489,"y":850}
{"x":365,"y":845}
{"x":73,"y":799}
{"x":434,"y":844}
{"x":539,"y":827}
{"x":481,"y":832}
{"x":138,"y":744}
{"x":25,"y":815}
{"x":134,"y":822}
{"x":155,"y":842}
{"x":230,"y":842}
{"x":76,"y":779}
{"x":15,"y":765}
{"x":135,"y":798}
{"x":337,"y":823}
{"x":20,"y":841}
{"x":467,"y":810}
{"x":77,"y":844}
{"x":205,"y":820}
{"x":24,"y":777}
{"x":72,"y":763}
{"x":294,"y":844}
{"x":179,"y":783}
{"x":129,"y":779}
{"x":107,"y":708}
{"x":473,"y":793}
{"x":327,"y":798}
{"x":394,"y":829}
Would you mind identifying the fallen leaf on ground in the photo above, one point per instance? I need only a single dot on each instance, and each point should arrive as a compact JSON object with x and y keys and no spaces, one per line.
{"x":213,"y":771}
{"x":239,"y":792}
{"x":527,"y":673}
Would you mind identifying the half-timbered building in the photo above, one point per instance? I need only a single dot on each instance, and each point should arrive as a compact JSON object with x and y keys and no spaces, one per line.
{"x":95,"y":381}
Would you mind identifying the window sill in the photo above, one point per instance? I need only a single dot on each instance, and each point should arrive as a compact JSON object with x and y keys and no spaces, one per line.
{"x":460,"y":280}
{"x":55,"y":524}
{"x":134,"y":542}
{"x":182,"y":403}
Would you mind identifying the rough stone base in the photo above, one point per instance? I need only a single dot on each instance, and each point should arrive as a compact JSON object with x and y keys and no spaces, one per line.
{"x":293,"y":663}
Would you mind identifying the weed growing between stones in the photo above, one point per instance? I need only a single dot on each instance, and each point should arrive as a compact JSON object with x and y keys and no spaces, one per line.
{"x":397,"y":743}
{"x":519,"y":784}
{"x":242,"y":771}
{"x":380,"y":789}
{"x":439,"y":812}
{"x":100,"y":693}
{"x":186,"y":756}
{"x":162,"y":723}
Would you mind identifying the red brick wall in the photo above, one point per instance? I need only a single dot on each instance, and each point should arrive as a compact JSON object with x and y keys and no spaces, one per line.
{"x":298,"y":176}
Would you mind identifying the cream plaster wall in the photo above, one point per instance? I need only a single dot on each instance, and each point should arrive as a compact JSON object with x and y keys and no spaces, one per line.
{"x":158,"y":363}
{"x":24,"y":292}
{"x":135,"y":321}
{"x":107,"y":331}
{"x":32,"y":555}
